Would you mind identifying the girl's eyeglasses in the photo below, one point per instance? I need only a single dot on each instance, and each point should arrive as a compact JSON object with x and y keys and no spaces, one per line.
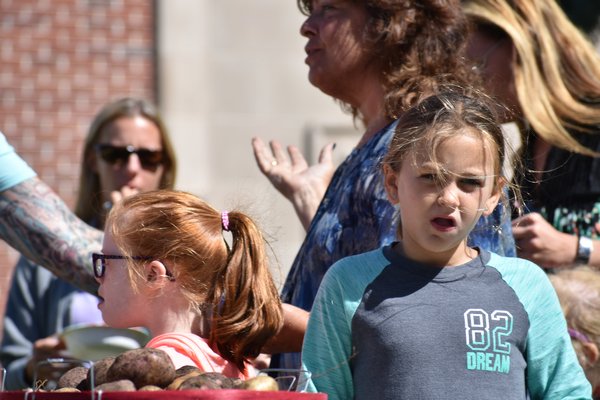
{"x":99,"y":263}
{"x":150,"y":159}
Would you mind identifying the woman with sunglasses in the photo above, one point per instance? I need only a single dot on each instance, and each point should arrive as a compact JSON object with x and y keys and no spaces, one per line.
{"x":127,"y":150}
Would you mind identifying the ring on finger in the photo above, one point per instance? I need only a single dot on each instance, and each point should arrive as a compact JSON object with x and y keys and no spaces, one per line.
{"x":274,"y":162}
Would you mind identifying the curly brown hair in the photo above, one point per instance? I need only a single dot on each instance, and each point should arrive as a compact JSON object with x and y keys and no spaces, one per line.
{"x":418,"y":44}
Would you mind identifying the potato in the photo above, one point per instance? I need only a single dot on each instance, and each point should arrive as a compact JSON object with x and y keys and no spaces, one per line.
{"x":149,"y":388}
{"x":200,"y":382}
{"x":100,"y":369}
{"x":223,"y":381}
{"x":143,"y":367}
{"x":123,"y":385}
{"x":208,"y":378}
{"x":181,"y":371}
{"x":180,"y":379}
{"x":262,"y":382}
{"x":66,"y":390}
{"x":236,"y":383}
{"x":73,"y":378}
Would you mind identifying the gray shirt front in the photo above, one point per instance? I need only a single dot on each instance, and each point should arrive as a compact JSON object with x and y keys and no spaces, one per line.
{"x":387,"y":328}
{"x":419,"y":324}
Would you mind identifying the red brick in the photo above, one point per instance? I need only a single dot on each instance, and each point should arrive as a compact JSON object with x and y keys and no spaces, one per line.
{"x":61,"y":61}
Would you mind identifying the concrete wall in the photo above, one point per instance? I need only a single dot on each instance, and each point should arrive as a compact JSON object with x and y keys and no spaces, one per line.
{"x":230,"y":70}
{"x":221,"y":72}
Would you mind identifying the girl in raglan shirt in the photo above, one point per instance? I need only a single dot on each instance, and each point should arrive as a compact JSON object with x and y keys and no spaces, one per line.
{"x":429,"y":317}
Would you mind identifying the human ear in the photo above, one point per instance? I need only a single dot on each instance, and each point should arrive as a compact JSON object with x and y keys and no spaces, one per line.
{"x":591,"y":353}
{"x":390,"y":182}
{"x":154,"y":270}
{"x":492,"y":201}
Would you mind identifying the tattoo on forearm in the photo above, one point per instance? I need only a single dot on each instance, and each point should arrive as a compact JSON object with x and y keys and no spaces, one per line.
{"x":37,"y":223}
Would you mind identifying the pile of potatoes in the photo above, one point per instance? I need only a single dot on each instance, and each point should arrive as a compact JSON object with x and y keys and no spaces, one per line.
{"x":151,"y":369}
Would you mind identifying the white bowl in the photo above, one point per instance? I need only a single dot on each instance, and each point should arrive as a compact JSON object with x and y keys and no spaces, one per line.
{"x":92,"y":342}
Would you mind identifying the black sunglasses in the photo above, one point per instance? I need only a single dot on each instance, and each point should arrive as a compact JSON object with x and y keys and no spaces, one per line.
{"x":120,"y":154}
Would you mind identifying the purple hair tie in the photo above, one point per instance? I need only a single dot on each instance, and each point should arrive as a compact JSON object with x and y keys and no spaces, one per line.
{"x":221,"y":303}
{"x":579,"y":336}
{"x":225,"y":220}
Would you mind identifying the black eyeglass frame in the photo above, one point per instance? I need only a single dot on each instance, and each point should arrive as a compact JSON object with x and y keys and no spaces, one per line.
{"x":100,"y":267}
{"x":120,"y":154}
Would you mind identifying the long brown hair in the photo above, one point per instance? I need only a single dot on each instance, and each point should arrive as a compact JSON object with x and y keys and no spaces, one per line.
{"x":417,"y":44}
{"x":235,"y":283}
{"x":89,"y":199}
{"x":556,"y":71}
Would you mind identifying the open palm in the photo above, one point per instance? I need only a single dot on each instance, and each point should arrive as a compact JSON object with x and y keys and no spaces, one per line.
{"x":302,"y":184}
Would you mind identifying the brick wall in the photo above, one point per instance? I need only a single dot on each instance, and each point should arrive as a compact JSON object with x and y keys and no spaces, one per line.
{"x":60,"y":61}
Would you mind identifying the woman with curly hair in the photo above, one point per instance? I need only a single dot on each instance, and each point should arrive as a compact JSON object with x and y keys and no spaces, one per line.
{"x":377,"y":58}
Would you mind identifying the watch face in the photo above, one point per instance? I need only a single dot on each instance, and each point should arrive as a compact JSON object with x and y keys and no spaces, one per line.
{"x":584,"y":249}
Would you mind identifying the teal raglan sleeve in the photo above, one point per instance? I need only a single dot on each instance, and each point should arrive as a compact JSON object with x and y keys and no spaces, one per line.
{"x":553,"y":370}
{"x":327,"y":348}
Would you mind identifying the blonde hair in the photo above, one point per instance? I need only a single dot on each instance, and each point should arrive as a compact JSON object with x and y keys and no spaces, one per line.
{"x":578,"y":290}
{"x":556,"y":71}
{"x":181,"y":230}
{"x":88,"y":206}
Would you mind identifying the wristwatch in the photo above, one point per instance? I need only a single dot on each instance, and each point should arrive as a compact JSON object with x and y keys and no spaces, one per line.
{"x":584,"y":250}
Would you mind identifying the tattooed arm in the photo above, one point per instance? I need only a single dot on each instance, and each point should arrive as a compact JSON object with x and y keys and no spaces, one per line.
{"x":37,"y":223}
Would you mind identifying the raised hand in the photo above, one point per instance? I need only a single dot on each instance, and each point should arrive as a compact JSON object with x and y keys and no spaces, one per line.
{"x":118,"y":195}
{"x":291,"y":175}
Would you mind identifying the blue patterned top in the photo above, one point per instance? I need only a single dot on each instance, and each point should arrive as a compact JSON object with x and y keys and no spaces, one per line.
{"x":355,"y":216}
